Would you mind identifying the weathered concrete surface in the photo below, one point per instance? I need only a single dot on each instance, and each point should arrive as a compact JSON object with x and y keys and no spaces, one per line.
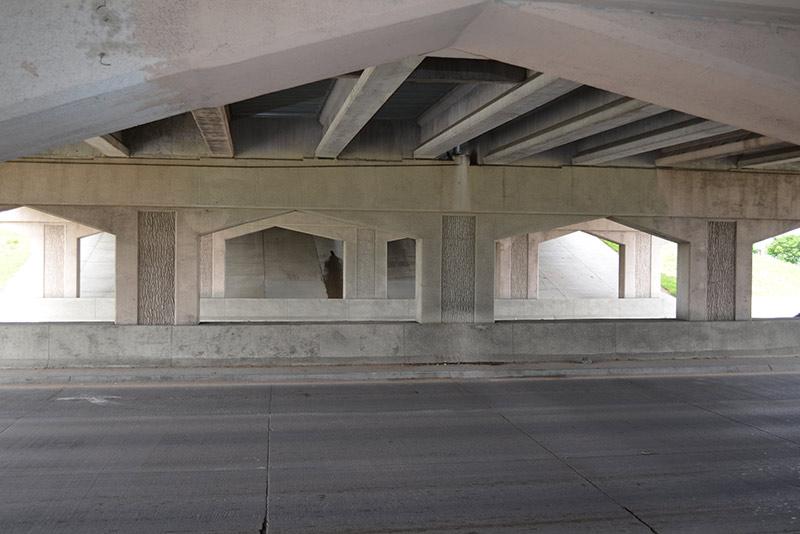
{"x":703,"y":454}
{"x":213,"y":345}
{"x":568,"y":194}
{"x":150,"y":61}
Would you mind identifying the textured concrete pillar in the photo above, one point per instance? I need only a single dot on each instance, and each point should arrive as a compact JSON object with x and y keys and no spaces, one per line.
{"x":721,"y":286}
{"x":157,"y":267}
{"x":458,"y":269}
{"x":429,"y":280}
{"x":217,"y":266}
{"x":206,"y":266}
{"x":187,"y":272}
{"x":126,"y":230}
{"x":54,"y":247}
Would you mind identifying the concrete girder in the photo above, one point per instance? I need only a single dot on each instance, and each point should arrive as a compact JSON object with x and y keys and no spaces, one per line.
{"x":690,"y":130}
{"x":677,"y":54}
{"x":346,"y":112}
{"x":214,"y":126}
{"x":461,"y":70}
{"x":575,"y":118}
{"x":109,"y":146}
{"x":146,"y":61}
{"x":770,"y":159}
{"x":718,"y":151}
{"x":484,"y":108}
{"x":403,"y":193}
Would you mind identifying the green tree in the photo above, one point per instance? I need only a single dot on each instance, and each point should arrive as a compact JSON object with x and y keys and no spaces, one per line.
{"x":786,"y":248}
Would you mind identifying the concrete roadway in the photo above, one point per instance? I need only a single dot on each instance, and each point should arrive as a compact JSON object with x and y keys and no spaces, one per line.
{"x":708,"y":454}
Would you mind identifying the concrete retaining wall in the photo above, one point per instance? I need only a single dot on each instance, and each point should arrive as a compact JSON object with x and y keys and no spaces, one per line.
{"x":102,"y":345}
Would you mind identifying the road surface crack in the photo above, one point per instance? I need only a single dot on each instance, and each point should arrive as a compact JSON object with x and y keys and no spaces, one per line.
{"x":265,"y":524}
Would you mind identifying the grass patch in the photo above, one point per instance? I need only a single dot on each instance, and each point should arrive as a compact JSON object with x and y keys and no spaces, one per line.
{"x":14,"y":252}
{"x":613,"y":246}
{"x":669,"y":284}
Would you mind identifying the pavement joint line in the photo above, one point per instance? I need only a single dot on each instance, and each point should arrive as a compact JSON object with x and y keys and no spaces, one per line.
{"x":265,"y":523}
{"x":744,"y":423}
{"x":564,"y":462}
{"x":729,"y":418}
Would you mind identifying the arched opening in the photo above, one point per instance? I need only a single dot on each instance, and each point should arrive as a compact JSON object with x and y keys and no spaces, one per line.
{"x":301,"y":266}
{"x":593,"y":270}
{"x":279,"y":263}
{"x":776,"y":276}
{"x":54,"y":270}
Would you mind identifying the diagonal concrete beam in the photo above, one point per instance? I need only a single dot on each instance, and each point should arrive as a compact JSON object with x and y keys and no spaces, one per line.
{"x":109,"y":145}
{"x":775,"y":157}
{"x":589,"y":114}
{"x":718,"y":151}
{"x":214,"y":126}
{"x":346,"y":113}
{"x":472,"y":112}
{"x":690,"y":130}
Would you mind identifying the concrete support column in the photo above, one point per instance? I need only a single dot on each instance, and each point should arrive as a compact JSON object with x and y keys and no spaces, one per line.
{"x":515,"y":268}
{"x":429,"y":280}
{"x":206,"y":266}
{"x":71,"y":261}
{"x":707,"y":272}
{"x":381,"y":265}
{"x":54,"y":260}
{"x":483,"y":253}
{"x":458,"y":269}
{"x":692,"y":301}
{"x":533,"y":266}
{"x":656,"y":246}
{"x":157,"y":239}
{"x":217,"y":266}
{"x":350,"y":266}
{"x":644,"y":266}
{"x":721,"y":286}
{"x":187,"y":272}
{"x":628,"y":254}
{"x":502,"y":266}
{"x":126,"y":230}
{"x":370,"y":264}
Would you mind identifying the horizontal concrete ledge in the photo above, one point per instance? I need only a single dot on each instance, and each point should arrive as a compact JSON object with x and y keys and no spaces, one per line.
{"x":349,"y":373}
{"x":56,"y":346}
{"x":317,"y":310}
{"x":589,"y":308}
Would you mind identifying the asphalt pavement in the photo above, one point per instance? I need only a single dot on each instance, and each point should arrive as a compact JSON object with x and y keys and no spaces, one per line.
{"x":686,"y":454}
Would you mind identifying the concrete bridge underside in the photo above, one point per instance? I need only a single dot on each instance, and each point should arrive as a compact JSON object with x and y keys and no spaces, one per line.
{"x":460,"y":124}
